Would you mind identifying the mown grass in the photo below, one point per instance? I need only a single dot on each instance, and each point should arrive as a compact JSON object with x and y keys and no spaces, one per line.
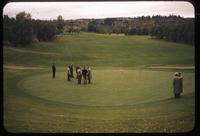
{"x":101,"y":50}
{"x":130,"y":87}
{"x":123,"y":96}
{"x":59,"y":110}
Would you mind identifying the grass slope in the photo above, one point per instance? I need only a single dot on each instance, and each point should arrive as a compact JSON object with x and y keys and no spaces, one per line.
{"x":101,"y":50}
{"x":123,"y":96}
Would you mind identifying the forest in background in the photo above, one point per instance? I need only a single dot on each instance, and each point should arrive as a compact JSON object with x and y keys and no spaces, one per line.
{"x":23,"y":30}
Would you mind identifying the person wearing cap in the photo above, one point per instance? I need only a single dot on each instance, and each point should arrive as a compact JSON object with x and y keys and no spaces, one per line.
{"x":177,"y":84}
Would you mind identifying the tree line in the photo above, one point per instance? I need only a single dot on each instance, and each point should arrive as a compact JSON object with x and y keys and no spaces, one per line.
{"x":22,"y":30}
{"x":171,"y":28}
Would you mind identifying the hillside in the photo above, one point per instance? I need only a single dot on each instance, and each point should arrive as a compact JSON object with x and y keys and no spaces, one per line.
{"x":101,"y":50}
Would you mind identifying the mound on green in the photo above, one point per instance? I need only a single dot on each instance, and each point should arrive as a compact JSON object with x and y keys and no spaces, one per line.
{"x":127,"y":94}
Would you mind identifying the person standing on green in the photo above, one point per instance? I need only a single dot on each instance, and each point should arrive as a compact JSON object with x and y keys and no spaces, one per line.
{"x":71,"y":71}
{"x":79,"y":75}
{"x":177,"y":84}
{"x":68,"y":74}
{"x":53,"y":70}
{"x":89,"y":74}
{"x":84,"y":73}
{"x":77,"y":67}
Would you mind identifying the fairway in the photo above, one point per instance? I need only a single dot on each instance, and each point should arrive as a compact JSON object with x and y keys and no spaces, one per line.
{"x":128,"y":93}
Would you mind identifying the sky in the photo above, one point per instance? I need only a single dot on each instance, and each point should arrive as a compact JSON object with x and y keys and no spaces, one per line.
{"x":76,"y":10}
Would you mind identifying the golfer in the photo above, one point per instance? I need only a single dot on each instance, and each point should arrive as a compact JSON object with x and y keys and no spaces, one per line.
{"x":53,"y":70}
{"x":89,"y":74}
{"x":84,"y":73}
{"x":68,"y":73}
{"x":177,"y":84}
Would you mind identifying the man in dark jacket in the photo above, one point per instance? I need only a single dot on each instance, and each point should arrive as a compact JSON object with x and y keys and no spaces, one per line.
{"x":53,"y":70}
{"x":177,"y":84}
{"x":89,"y":74}
{"x":84,"y":73}
{"x":72,"y":71}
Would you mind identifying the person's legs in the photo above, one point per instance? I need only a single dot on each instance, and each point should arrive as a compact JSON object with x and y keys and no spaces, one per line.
{"x":79,"y":80}
{"x":85,"y":80}
{"x":68,"y":77}
{"x":175,"y":95}
{"x":72,"y":74}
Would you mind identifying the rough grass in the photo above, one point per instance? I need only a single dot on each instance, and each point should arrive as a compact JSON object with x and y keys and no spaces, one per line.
{"x":101,"y":50}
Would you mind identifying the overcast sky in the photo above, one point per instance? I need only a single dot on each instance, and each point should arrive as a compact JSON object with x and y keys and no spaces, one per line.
{"x":74,"y":10}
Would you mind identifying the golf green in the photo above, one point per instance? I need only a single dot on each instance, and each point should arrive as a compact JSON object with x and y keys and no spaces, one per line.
{"x":108,"y":87}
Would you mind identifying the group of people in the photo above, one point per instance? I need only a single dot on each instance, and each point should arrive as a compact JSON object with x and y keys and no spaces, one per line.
{"x":87,"y":76}
{"x":85,"y":73}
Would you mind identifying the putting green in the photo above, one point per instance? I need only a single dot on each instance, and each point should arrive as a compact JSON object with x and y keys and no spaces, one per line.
{"x":109,"y":87}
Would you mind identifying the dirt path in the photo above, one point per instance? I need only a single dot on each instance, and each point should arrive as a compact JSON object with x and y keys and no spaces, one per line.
{"x":20,"y":67}
{"x":172,"y":66}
